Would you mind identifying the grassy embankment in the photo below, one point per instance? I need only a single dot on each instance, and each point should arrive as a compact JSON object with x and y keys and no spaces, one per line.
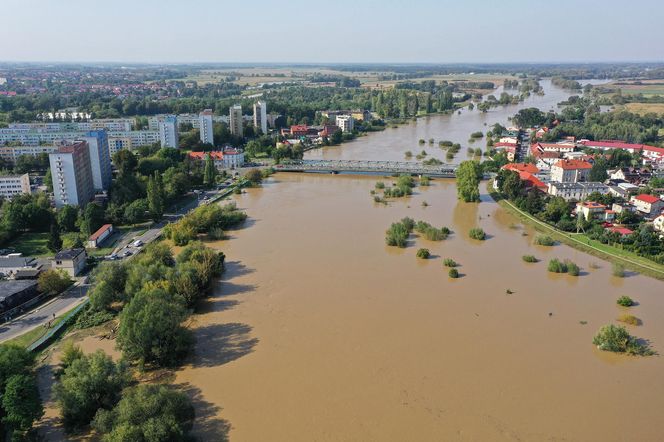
{"x":583,"y":243}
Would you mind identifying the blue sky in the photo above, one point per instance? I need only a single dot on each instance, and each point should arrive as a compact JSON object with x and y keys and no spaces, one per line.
{"x":331,"y":31}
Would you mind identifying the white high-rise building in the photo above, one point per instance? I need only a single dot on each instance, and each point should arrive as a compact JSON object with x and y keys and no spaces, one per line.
{"x":236,"y":120}
{"x":100,"y":159}
{"x":206,"y":127}
{"x":168,"y":132}
{"x":72,"y":175}
{"x":345,"y":122}
{"x":260,"y":116}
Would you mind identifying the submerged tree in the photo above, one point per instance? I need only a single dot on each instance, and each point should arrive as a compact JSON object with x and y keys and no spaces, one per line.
{"x":468,"y":175}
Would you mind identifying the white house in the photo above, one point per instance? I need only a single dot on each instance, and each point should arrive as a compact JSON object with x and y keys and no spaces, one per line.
{"x":576,"y":191}
{"x":658,"y":223}
{"x":570,"y":171}
{"x":648,"y":205}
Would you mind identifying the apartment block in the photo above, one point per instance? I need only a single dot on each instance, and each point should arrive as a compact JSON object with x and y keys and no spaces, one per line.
{"x":72,"y":175}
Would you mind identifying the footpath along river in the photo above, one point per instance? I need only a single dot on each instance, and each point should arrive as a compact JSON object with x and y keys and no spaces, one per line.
{"x":319,"y":331}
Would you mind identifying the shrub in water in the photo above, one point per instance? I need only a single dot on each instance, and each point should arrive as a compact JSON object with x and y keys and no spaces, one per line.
{"x":557,"y":266}
{"x":625,"y":301}
{"x":449,"y":262}
{"x":216,"y":234}
{"x":380,"y":185}
{"x":544,"y":240}
{"x":529,"y":258}
{"x":572,"y":268}
{"x":453,"y":273}
{"x":477,"y":233}
{"x":616,"y":339}
{"x":423,"y":253}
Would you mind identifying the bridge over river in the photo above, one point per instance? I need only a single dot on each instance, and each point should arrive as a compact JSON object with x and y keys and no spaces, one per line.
{"x":367,"y":168}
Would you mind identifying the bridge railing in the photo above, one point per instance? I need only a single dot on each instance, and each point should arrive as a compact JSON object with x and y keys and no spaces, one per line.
{"x":358,"y":165}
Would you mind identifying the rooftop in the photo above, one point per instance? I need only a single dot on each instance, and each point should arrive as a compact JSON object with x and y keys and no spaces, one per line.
{"x":100,"y":232}
{"x":651,"y":199}
{"x":68,"y":254}
{"x":10,"y":288}
{"x":16,"y":261}
{"x":521,"y":167}
{"x":573,"y":164}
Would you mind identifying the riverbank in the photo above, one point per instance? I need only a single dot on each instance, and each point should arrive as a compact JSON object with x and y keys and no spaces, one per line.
{"x":581,"y":242}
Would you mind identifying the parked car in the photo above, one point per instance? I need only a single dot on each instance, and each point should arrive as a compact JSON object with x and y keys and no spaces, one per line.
{"x":137,"y":243}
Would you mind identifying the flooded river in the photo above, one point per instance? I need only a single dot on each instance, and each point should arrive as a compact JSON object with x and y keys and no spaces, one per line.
{"x":320,"y":332}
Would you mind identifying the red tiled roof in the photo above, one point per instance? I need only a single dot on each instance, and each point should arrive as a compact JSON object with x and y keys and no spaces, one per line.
{"x":504,"y":144}
{"x":622,"y":230}
{"x":651,"y":199}
{"x":100,"y":232}
{"x":592,"y":205}
{"x":613,"y":144}
{"x":573,"y":164}
{"x":216,"y":155}
{"x":531,"y":180}
{"x":521,"y":167}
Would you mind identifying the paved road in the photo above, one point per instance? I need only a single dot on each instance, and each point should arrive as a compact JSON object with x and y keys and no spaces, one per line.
{"x":75,"y":295}
{"x":44,"y":313}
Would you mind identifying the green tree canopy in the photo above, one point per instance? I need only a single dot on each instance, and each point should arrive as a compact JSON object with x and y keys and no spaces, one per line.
{"x":468,"y":176}
{"x":90,"y":383}
{"x":147,"y":413}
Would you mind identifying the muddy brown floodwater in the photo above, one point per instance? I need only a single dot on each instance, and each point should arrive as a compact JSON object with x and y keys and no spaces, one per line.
{"x":320,"y":332}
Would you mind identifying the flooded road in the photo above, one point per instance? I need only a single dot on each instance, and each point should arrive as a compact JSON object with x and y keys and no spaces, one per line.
{"x":319,"y":331}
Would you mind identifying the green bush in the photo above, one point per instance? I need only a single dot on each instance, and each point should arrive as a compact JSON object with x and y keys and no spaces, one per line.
{"x":397,"y":234}
{"x":572,"y":268}
{"x":216,"y":234}
{"x":421,"y":141}
{"x":618,"y":270}
{"x":477,"y":233}
{"x":625,"y":301}
{"x":557,"y":266}
{"x":529,"y":258}
{"x":423,"y":254}
{"x":449,"y":262}
{"x":616,"y":339}
{"x":431,"y":233}
{"x":544,"y":240}
{"x":380,"y":185}
{"x":425,"y":180}
{"x":453,"y":273}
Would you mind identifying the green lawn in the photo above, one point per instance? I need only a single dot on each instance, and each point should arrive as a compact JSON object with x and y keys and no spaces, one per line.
{"x":32,"y":244}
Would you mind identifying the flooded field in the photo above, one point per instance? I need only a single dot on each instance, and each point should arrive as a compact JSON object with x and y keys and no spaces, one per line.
{"x":321,"y":332}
